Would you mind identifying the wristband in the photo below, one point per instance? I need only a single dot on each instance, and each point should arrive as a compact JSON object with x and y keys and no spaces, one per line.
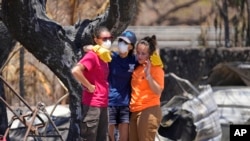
{"x":148,"y":76}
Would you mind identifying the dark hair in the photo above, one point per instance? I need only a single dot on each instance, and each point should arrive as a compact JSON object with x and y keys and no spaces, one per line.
{"x":98,"y":30}
{"x":150,"y":42}
{"x":131,"y":52}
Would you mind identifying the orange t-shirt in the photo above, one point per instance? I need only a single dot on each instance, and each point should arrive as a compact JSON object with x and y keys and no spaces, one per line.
{"x":142,"y":96}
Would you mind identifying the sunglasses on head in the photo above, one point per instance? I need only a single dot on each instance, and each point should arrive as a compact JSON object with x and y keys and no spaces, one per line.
{"x":105,"y":38}
{"x":121,"y":40}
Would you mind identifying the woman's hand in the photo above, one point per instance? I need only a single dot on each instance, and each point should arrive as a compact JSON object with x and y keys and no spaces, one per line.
{"x":91,"y":89}
{"x":147,"y":69}
{"x":87,"y":48}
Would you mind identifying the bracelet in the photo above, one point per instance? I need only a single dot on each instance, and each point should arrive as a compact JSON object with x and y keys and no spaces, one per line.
{"x":148,"y":76}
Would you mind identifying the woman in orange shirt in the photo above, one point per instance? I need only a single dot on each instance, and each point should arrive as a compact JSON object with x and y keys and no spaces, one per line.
{"x":147,"y":85}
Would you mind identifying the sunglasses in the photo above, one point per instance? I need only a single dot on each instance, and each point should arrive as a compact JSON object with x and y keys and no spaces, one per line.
{"x":121,"y":40}
{"x":105,"y":38}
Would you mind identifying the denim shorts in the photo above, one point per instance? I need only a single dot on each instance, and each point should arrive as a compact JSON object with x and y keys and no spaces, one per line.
{"x":118,"y":114}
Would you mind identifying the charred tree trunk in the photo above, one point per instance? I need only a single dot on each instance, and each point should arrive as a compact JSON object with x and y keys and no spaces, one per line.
{"x":248,"y":24}
{"x":6,"y":45}
{"x":59,"y":47}
{"x":226,"y":23}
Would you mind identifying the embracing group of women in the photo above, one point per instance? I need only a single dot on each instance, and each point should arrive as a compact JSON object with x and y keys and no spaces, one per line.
{"x":121,"y":89}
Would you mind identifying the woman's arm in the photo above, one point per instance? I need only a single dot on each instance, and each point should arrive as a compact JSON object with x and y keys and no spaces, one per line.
{"x":155,"y":87}
{"x":77,"y":72}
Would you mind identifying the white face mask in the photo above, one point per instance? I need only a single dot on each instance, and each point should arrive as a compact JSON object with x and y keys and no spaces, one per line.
{"x":106,"y":44}
{"x":122,"y":47}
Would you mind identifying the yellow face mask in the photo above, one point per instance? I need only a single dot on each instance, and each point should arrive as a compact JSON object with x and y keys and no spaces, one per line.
{"x":155,"y":60}
{"x":103,"y":53}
